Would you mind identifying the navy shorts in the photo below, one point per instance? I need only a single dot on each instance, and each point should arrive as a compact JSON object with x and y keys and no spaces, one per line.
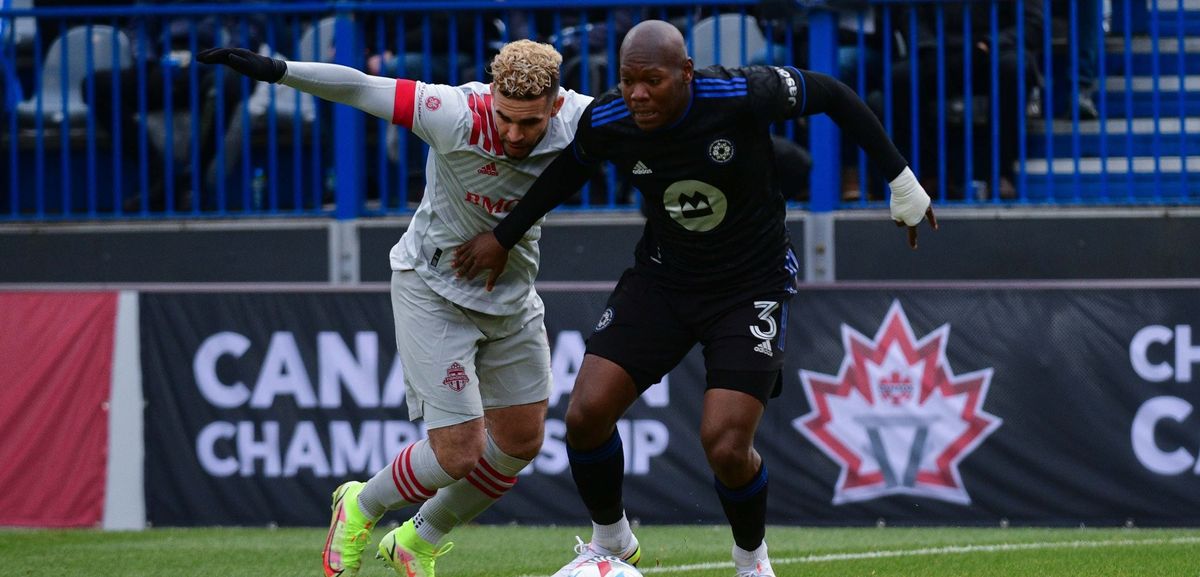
{"x":647,"y":329}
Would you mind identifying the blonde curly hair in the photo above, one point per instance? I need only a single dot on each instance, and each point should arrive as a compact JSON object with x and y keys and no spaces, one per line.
{"x":526,"y":70}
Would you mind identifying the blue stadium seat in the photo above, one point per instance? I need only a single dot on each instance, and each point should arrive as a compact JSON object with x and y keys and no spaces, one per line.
{"x":729,"y":29}
{"x":73,"y":47}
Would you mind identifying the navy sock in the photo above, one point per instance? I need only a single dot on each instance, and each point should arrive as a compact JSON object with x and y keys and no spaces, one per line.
{"x":746,"y":509}
{"x":598,"y":474}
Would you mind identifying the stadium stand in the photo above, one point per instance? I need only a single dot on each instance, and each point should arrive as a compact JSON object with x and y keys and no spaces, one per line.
{"x":279,"y":147}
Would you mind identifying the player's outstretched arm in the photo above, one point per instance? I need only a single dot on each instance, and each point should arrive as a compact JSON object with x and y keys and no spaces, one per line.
{"x":375,"y":95}
{"x":910,"y":204}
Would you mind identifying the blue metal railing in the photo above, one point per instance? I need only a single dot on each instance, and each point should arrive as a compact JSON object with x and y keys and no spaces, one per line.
{"x":164,"y":138}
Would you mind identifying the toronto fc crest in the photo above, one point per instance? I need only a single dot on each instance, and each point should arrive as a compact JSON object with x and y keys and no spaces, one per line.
{"x":456,"y":377}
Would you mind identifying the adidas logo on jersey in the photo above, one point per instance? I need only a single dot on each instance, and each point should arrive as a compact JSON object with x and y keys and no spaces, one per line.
{"x":489,"y":169}
{"x":641,"y":168}
{"x":764,"y":348}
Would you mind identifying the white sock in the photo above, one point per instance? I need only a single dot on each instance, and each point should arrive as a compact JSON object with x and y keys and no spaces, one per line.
{"x":413,"y":477}
{"x":615,"y":538}
{"x":743,"y":559}
{"x":458,"y":503}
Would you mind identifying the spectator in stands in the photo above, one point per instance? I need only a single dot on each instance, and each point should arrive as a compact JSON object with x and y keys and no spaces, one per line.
{"x":50,"y":28}
{"x":781,"y":15}
{"x":926,"y":43}
{"x":10,"y":83}
{"x":850,"y":59}
{"x":410,"y":60}
{"x":164,"y":44}
{"x":1089,"y":15}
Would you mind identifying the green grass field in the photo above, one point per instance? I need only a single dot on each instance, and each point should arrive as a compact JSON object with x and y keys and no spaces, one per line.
{"x":685,"y":551}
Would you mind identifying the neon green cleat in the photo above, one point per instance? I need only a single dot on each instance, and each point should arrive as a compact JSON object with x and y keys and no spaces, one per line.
{"x":408,"y":553}
{"x":349,"y":533}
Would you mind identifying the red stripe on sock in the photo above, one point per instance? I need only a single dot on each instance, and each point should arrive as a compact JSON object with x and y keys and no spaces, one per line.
{"x":473,"y":478}
{"x":496,"y":474}
{"x":398,"y":478}
{"x":483,"y":476}
{"x":412,"y":477}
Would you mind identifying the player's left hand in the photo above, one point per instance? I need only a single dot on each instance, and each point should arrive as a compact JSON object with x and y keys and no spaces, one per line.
{"x":481,"y":253}
{"x":248,"y":62}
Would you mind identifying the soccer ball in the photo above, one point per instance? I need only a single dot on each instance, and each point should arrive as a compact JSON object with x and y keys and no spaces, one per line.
{"x":605,"y":566}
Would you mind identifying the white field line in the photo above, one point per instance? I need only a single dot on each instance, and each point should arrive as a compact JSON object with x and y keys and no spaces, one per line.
{"x":929,"y":551}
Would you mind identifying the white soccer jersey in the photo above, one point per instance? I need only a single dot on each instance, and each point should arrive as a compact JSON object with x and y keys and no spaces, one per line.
{"x":470,"y":185}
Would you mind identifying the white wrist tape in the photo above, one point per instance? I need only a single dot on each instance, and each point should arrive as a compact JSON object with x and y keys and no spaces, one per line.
{"x":909,"y":199}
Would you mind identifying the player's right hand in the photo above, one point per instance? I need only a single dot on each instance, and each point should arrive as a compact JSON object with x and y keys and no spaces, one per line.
{"x":484,"y":252}
{"x":910,"y":204}
{"x":248,"y":62}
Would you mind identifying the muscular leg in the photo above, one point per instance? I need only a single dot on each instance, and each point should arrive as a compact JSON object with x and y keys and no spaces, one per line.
{"x":514,"y":437}
{"x":603,"y":391}
{"x":423,"y":467}
{"x":518,"y":431}
{"x":727,"y":434}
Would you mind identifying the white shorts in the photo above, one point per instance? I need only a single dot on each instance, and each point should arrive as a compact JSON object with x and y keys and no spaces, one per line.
{"x":458,"y":362}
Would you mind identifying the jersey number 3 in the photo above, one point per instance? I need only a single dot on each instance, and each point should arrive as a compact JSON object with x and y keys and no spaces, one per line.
{"x":766,"y":309}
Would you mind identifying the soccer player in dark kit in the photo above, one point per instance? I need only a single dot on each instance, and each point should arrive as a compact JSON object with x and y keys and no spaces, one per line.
{"x":714,"y":265}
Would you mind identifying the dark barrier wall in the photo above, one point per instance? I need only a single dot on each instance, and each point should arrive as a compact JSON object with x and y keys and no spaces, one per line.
{"x":1129,"y":243}
{"x":1041,"y":406}
{"x":165,"y":253}
{"x":1115,"y":246}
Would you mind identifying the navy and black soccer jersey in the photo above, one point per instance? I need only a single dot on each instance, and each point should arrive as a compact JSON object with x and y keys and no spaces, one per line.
{"x":715,"y":218}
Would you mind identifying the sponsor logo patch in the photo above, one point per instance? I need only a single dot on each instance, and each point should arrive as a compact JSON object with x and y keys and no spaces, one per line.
{"x":489,"y":169}
{"x":433,"y":103}
{"x":489,"y":204}
{"x":896,"y":418}
{"x":605,"y":319}
{"x":640,"y":168}
{"x":695,"y":205}
{"x":789,"y":82}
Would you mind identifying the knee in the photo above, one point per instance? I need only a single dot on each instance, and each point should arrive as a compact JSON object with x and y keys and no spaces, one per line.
{"x":586,"y":429}
{"x":728,"y":455}
{"x":523,"y":444}
{"x":458,"y":459}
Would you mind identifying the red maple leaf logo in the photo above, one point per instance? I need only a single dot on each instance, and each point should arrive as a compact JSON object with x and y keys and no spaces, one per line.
{"x":895,"y":417}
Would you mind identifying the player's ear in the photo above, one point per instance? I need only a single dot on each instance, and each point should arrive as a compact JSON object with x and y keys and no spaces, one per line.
{"x":558,"y":102}
{"x":688,"y":71}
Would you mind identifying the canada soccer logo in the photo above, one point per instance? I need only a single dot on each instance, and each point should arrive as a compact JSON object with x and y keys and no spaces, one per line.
{"x":433,"y":103}
{"x":896,"y":418}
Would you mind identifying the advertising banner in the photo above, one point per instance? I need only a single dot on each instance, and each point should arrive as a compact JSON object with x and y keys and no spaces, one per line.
{"x":914,"y":406}
{"x":56,"y":355}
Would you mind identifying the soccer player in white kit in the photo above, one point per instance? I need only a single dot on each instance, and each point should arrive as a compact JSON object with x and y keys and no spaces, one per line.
{"x":476,"y":362}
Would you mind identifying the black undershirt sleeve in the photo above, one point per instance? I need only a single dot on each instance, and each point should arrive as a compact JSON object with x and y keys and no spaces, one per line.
{"x":565,"y":175}
{"x":824,"y":93}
